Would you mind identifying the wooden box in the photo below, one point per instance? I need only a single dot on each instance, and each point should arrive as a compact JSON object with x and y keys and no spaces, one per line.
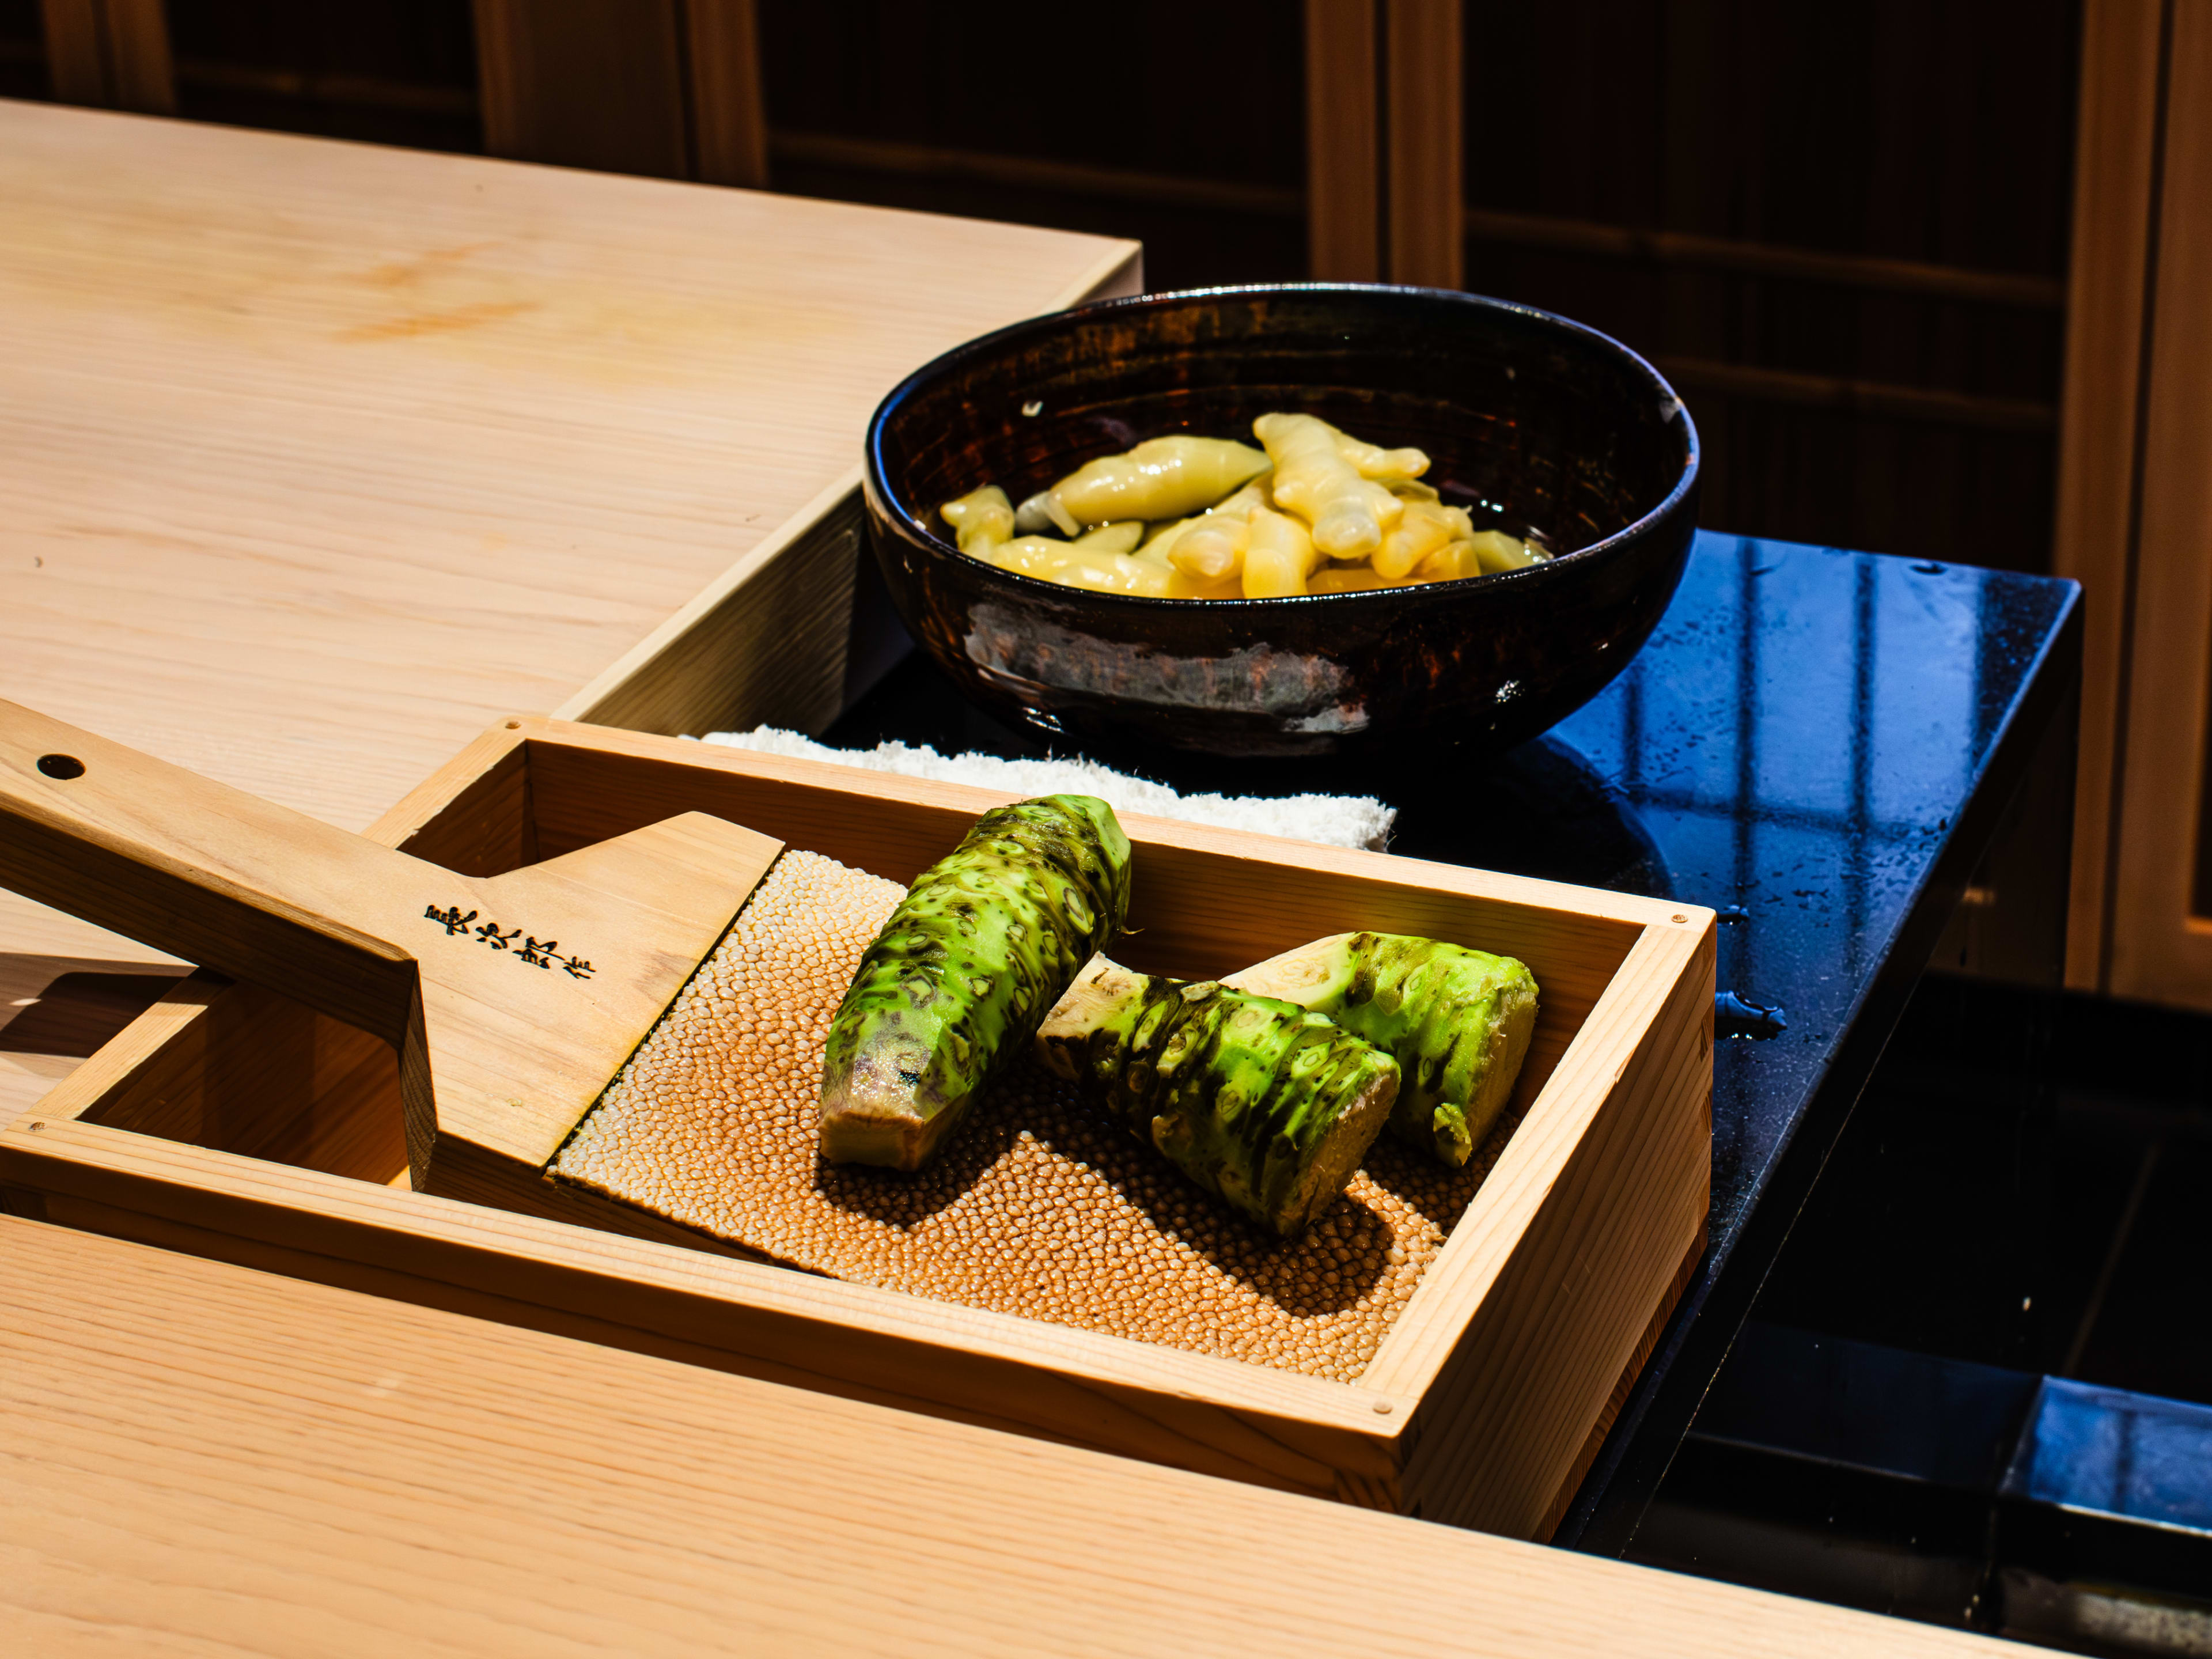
{"x":232,"y":1123}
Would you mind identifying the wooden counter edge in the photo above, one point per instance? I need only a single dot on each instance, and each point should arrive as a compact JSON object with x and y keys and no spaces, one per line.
{"x":209,"y":1460}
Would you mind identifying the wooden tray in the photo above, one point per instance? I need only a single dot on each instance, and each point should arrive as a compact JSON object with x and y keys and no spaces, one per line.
{"x":234,"y":1124}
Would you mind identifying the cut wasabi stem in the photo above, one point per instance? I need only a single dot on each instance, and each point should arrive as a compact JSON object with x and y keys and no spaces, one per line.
{"x":1424,"y":528}
{"x":1279,"y":555}
{"x":1110,"y":540}
{"x":975,"y":955}
{"x":1496,"y":550}
{"x":1042,"y":512}
{"x":1161,"y":478}
{"x":982,"y":520}
{"x":1458,"y":1021}
{"x":1159,"y":537}
{"x":1315,"y":479}
{"x":1266,"y":1105}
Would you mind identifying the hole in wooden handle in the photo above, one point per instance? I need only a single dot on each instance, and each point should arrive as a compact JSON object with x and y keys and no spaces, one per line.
{"x":61,"y":766}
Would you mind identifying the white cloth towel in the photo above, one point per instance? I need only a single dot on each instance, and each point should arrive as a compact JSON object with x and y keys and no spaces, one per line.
{"x":1333,"y":820}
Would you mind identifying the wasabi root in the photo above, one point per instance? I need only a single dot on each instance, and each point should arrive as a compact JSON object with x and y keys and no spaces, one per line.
{"x":1261,"y":1103}
{"x":1457,"y":1021}
{"x":975,"y":955}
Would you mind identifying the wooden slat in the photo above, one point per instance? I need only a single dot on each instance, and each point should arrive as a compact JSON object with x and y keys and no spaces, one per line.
{"x":2116,"y":144}
{"x":1692,"y":251}
{"x":729,"y":107}
{"x":1344,"y":143}
{"x":2161,"y":950}
{"x":1880,"y":400}
{"x":584,"y":83}
{"x":209,"y":1461}
{"x":1423,"y":73}
{"x":111,"y":54}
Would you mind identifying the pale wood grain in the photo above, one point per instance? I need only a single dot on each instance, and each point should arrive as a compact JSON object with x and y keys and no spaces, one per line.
{"x":28,"y":1071}
{"x":763,"y":644}
{"x":2161,"y":950}
{"x":1479,"y":1406}
{"x":2115,"y":139}
{"x":209,"y":1461}
{"x":1250,"y":1422}
{"x":315,"y":459}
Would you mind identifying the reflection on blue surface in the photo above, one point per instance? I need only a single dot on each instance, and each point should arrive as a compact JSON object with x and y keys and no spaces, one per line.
{"x":1866,"y":1407}
{"x":1797,"y":738}
{"x":2117,"y":1453}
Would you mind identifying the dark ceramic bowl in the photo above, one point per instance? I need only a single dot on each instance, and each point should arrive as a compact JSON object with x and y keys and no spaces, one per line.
{"x":1532,"y":421}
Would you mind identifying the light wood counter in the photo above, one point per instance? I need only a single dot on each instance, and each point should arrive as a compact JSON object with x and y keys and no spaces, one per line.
{"x":315,"y":459}
{"x":200,"y":1458}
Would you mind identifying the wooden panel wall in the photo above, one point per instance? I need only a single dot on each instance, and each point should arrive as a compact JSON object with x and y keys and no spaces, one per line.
{"x":2097,"y":541}
{"x":1344,"y":150}
{"x":1382,"y":83}
{"x":111,"y":54}
{"x":671,"y":87}
{"x":1424,"y":88}
{"x":2156,"y":935}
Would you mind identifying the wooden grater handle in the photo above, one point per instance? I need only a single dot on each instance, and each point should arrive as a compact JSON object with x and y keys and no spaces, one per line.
{"x":207,"y":872}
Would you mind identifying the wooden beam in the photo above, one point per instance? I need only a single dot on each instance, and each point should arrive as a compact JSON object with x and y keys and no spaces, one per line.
{"x":1424,"y":75}
{"x":585,"y":83}
{"x":729,"y":107}
{"x":670,"y":88}
{"x":2162,"y":949}
{"x":1344,"y":142}
{"x":2115,"y":162}
{"x":113,"y":54}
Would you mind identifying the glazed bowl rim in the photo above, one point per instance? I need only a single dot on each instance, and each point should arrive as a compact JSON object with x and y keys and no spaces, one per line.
{"x":894,"y":507}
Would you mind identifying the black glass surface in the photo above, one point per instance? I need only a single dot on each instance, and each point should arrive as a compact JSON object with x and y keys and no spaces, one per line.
{"x":1817,"y":743}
